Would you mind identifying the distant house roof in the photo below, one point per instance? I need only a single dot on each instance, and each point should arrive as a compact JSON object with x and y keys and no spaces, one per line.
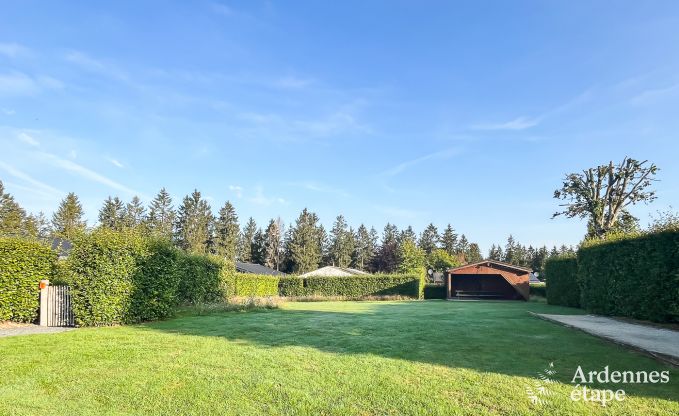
{"x":534,"y":279}
{"x":257,"y":269}
{"x":496,"y":263}
{"x":333,"y":271}
{"x":61,"y":246}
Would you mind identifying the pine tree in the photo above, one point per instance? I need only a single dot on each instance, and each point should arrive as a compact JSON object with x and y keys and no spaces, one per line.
{"x":341,"y":243}
{"x":305,"y":247}
{"x":226,"y":232}
{"x":386,"y":260}
{"x":510,"y":251}
{"x":247,"y":240}
{"x":473,"y":254}
{"x":449,"y":240}
{"x":112,"y":214}
{"x":462,"y":246}
{"x":194,"y":224}
{"x":273,"y":244}
{"x":67,"y":221}
{"x":161,"y":215}
{"x":323,"y":243}
{"x":259,"y":247}
{"x":37,"y":226}
{"x":495,"y":253}
{"x":12,"y":216}
{"x":135,"y":213}
{"x":408,"y":235}
{"x":364,"y":248}
{"x":429,"y":239}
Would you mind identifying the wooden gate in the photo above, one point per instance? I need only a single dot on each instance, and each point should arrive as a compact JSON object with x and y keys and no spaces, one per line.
{"x":55,"y":306}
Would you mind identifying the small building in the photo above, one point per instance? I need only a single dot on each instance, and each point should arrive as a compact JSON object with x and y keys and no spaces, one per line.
{"x":534,"y":278}
{"x":488,"y":279}
{"x":253,"y":268}
{"x":333,"y":271}
{"x":62,"y":247}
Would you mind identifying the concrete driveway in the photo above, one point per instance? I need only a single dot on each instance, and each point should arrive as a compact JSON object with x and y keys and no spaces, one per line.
{"x":9,"y":330}
{"x":660,"y":343}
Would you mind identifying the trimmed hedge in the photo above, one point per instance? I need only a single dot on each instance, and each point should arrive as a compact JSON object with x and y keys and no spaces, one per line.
{"x":23,"y":263}
{"x":562,"y":283}
{"x":635,"y":277}
{"x":434,"y":291}
{"x":205,"y":279}
{"x":352,"y":286}
{"x":538,"y":289}
{"x":255,"y":285}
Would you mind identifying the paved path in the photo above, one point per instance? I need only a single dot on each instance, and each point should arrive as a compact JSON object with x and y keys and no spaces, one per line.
{"x":660,"y":343}
{"x":30,"y":329}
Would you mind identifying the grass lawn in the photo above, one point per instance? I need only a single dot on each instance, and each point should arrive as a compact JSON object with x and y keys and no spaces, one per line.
{"x":432,"y":357}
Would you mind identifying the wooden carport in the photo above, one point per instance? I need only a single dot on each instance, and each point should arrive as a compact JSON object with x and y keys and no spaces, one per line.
{"x":488,"y":279}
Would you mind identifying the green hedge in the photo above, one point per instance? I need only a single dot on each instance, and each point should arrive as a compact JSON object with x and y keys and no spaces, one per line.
{"x":353,"y":286}
{"x":256,"y":285}
{"x":538,"y":289}
{"x":23,"y":263}
{"x":205,"y":279}
{"x":634,"y":277}
{"x":434,"y":291}
{"x":562,"y":282}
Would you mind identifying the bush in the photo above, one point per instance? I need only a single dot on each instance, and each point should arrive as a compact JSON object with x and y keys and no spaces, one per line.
{"x":205,"y":279}
{"x":434,"y":291}
{"x":23,"y":263}
{"x":636,"y":277}
{"x":253,"y":285}
{"x":562,"y":283}
{"x":119,"y":277}
{"x":538,"y":289}
{"x":353,"y":286}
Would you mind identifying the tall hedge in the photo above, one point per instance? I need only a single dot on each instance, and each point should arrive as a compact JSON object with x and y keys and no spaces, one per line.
{"x":119,"y":277}
{"x":205,"y":279}
{"x":255,"y":285}
{"x":353,"y":286}
{"x":562,"y":281}
{"x":635,"y":277}
{"x":434,"y":291}
{"x":23,"y":263}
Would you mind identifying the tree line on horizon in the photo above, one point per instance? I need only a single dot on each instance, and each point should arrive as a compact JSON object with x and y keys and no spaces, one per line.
{"x":301,"y":247}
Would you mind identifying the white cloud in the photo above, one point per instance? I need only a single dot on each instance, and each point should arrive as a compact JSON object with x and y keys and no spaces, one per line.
{"x":293,"y":82}
{"x":86,"y":173}
{"x":237,"y":190}
{"x":95,"y":65}
{"x":17,"y":83}
{"x":116,"y":163}
{"x":28,"y":139}
{"x":440,"y":155}
{"x":519,"y":123}
{"x":260,"y":199}
{"x":319,"y":187}
{"x":29,"y":179}
{"x":14,"y":50}
{"x":651,"y":95}
{"x":7,"y":111}
{"x":292,"y":129}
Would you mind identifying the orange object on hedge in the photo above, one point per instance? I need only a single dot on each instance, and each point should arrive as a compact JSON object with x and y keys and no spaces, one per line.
{"x":44,"y":284}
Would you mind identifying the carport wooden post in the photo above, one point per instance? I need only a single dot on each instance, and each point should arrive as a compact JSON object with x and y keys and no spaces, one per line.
{"x":44,"y":284}
{"x":449,"y":291}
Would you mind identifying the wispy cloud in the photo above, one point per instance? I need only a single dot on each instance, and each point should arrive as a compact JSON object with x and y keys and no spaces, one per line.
{"x":7,"y":111}
{"x":14,"y":50}
{"x":519,"y":123}
{"x":398,"y":213}
{"x":651,"y":95}
{"x":237,"y":190}
{"x":260,"y":199}
{"x":293,"y":82}
{"x":319,"y":187}
{"x":440,"y":155}
{"x":29,"y":179}
{"x":221,"y":9}
{"x":292,"y":129}
{"x":17,"y":84}
{"x":116,"y":163}
{"x":28,"y":139}
{"x":95,"y":65}
{"x":86,"y":173}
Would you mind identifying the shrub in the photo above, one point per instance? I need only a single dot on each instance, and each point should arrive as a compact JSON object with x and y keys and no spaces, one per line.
{"x":254,"y":285}
{"x":562,"y":282}
{"x":205,"y":279}
{"x":23,"y":263}
{"x":434,"y":291}
{"x":637,"y":277}
{"x":538,"y":289}
{"x":407,"y":285}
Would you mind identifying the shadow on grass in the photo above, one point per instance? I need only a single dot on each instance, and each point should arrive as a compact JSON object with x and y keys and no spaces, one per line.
{"x":492,"y":337}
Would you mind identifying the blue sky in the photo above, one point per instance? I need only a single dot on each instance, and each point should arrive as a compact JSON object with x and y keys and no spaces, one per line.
{"x":408,"y":112}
